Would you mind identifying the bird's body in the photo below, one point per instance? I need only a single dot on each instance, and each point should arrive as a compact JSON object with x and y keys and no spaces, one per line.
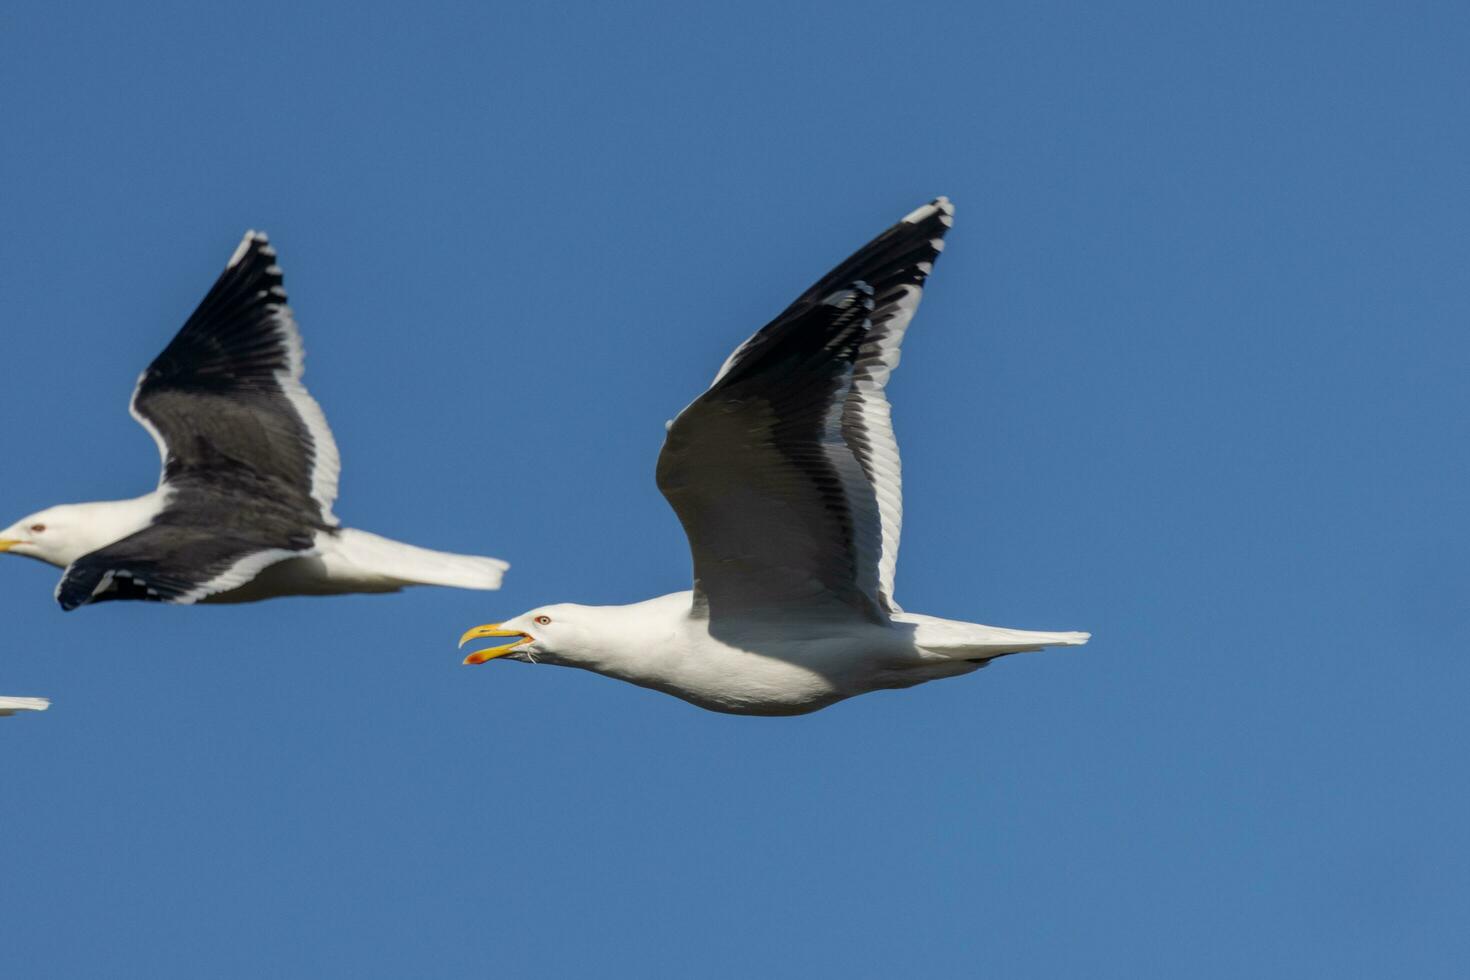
{"x":785,"y":475}
{"x":773,"y":664}
{"x":243,"y":508}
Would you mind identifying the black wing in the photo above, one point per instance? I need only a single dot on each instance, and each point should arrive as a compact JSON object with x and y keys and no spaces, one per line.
{"x":249,"y":465}
{"x":785,"y":473}
{"x":225,"y":400}
{"x":169,"y":562}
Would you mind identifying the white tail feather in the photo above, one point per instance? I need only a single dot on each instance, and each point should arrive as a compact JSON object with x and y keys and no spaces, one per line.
{"x":367,"y":560}
{"x":10,"y":706}
{"x":957,"y":640}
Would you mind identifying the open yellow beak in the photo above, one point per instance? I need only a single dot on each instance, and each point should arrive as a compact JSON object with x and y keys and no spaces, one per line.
{"x":6,"y":544}
{"x":492,"y":629}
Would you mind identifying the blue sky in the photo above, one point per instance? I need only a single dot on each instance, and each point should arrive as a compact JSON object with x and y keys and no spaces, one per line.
{"x":1190,"y":375}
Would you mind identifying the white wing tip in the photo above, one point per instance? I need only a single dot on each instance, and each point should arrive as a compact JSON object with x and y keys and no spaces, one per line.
{"x":250,"y":236}
{"x":940,"y":205}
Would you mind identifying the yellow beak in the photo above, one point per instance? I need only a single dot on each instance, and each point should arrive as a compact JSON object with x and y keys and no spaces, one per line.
{"x":6,"y":544}
{"x":492,"y":629}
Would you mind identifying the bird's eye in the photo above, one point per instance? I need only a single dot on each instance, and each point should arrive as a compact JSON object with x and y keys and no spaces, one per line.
{"x":37,"y":528}
{"x":543,"y":620}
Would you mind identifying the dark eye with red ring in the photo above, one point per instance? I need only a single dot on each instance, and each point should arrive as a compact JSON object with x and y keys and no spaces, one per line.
{"x":37,"y":528}
{"x":543,"y":620}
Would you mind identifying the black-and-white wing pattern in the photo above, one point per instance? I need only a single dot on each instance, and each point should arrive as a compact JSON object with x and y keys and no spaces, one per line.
{"x":785,"y":473}
{"x":249,"y":466}
{"x":226,"y":396}
{"x":171,"y":561}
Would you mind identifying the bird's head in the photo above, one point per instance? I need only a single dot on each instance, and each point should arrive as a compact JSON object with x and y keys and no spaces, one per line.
{"x":539,"y":634}
{"x":53,"y":535}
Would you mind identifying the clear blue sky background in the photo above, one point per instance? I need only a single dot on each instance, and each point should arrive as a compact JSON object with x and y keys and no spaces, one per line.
{"x":1191,"y":375}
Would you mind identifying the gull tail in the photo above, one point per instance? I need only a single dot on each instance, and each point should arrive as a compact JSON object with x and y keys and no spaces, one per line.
{"x":10,"y":706}
{"x":379,"y":564}
{"x":955,"y":640}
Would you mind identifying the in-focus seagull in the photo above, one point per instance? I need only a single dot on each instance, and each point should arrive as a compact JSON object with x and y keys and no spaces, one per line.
{"x":14,"y":706}
{"x":785,"y":475}
{"x":243,"y":509}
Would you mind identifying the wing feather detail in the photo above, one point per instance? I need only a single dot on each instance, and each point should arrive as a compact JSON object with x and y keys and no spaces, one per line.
{"x":225,"y":397}
{"x":786,"y":472}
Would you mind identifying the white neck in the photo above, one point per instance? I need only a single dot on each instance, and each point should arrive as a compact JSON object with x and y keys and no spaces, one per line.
{"x":629,"y":641}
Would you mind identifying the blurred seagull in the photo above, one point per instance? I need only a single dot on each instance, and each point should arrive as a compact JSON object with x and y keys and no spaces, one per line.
{"x":243,"y":509}
{"x":12,"y":706}
{"x":785,"y":475}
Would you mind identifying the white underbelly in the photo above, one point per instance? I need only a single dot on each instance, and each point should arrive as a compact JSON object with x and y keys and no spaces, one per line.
{"x":308,"y":575}
{"x":781,"y":674}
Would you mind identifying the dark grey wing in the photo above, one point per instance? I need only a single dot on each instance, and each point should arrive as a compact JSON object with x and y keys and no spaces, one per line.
{"x":225,"y":400}
{"x":785,"y":473}
{"x":249,"y":465}
{"x":173,"y":562}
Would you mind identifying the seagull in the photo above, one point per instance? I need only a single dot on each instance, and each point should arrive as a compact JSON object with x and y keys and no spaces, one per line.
{"x":243,"y":508}
{"x":785,"y":476}
{"x":13,"y":706}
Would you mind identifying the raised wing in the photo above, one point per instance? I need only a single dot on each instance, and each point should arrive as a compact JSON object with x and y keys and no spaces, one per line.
{"x":225,"y":402}
{"x":785,"y":473}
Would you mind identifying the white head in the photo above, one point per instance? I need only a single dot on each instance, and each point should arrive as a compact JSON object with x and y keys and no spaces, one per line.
{"x":560,"y":634}
{"x":60,"y":535}
{"x":56,"y":535}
